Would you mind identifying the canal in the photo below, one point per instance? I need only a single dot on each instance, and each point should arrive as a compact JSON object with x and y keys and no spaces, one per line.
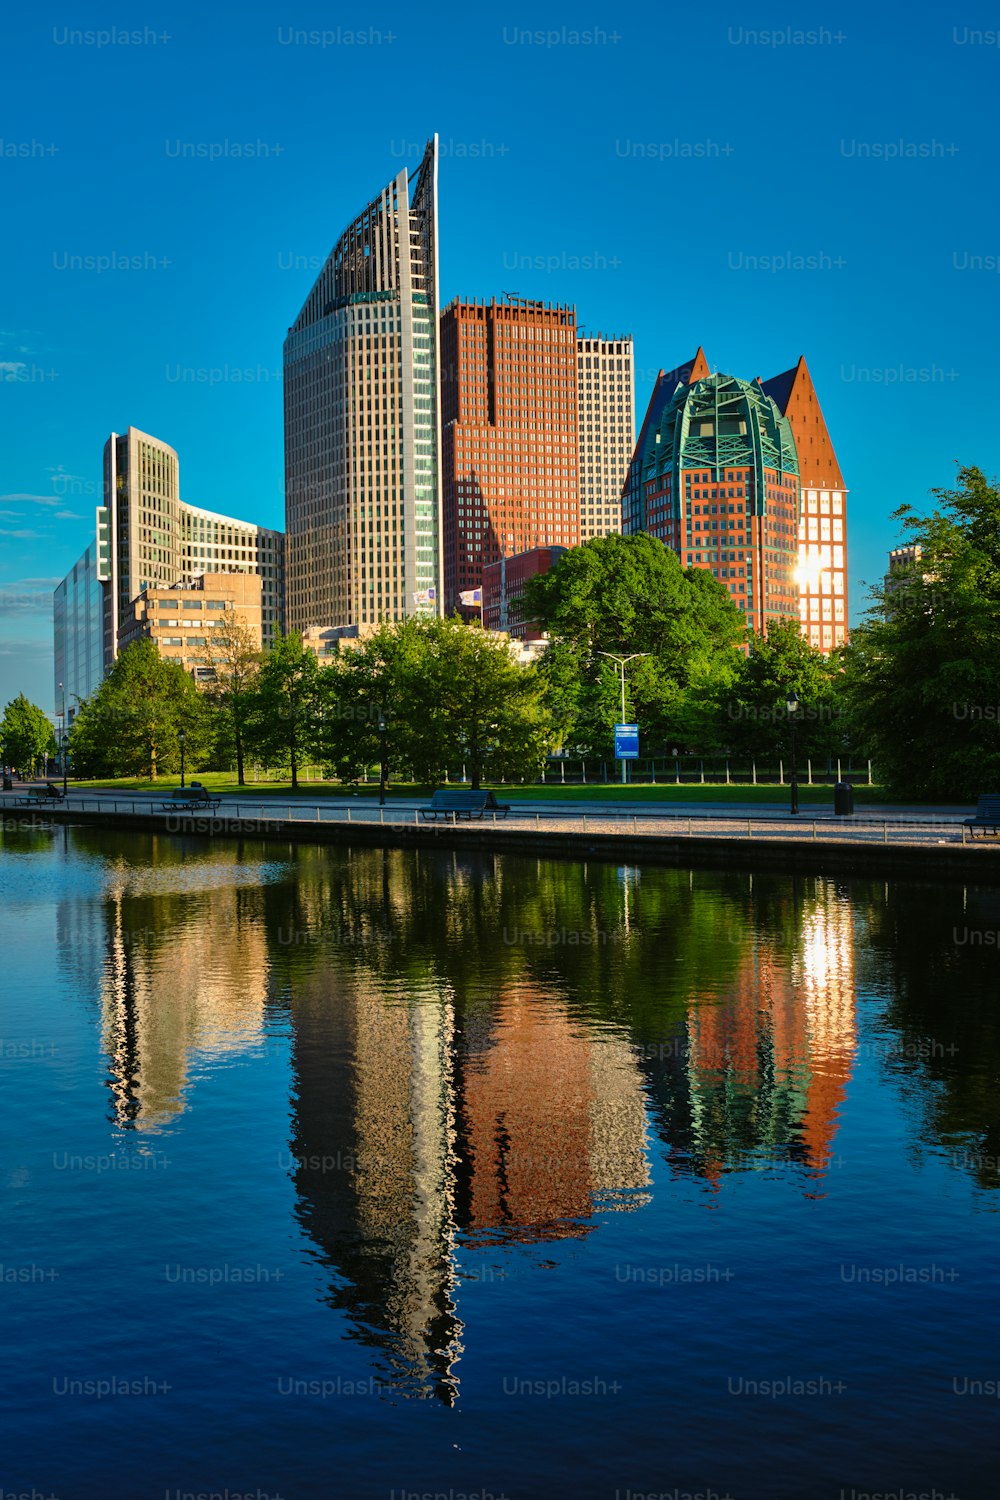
{"x":387,"y":1173}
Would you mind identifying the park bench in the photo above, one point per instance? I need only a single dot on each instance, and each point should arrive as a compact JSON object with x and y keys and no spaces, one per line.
{"x":39,"y":795}
{"x":450,"y":804}
{"x":191,"y":799}
{"x":987,"y":816}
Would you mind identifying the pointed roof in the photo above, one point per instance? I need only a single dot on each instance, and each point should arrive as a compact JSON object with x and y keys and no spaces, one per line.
{"x":795,"y":396}
{"x":666,"y":383}
{"x":699,"y":367}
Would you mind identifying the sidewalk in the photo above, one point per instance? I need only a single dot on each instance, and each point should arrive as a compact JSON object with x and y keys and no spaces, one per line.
{"x":893,"y":825}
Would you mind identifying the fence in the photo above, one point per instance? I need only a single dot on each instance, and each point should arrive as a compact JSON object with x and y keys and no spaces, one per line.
{"x":705,"y":771}
{"x":241,"y":814}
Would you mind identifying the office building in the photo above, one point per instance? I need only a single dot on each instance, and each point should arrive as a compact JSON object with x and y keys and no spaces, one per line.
{"x":720,"y":485}
{"x":148,"y":538}
{"x":503,"y":585}
{"x":822,"y":565}
{"x":509,"y":434}
{"x":78,"y":631}
{"x":633,"y":493}
{"x":605,"y":430}
{"x":808,"y":472}
{"x":362,"y":446}
{"x":180,"y":620}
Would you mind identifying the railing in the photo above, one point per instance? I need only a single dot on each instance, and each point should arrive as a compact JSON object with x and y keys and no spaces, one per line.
{"x":637,"y":822}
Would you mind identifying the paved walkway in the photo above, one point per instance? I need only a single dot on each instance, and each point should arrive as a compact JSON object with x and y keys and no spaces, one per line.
{"x":886,"y":825}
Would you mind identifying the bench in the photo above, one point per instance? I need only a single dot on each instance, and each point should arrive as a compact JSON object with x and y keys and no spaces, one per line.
{"x":447,"y":803}
{"x":987,"y":816}
{"x":40,"y":794}
{"x":191,"y":799}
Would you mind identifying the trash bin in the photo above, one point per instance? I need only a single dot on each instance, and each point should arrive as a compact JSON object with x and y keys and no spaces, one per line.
{"x":843,"y":798}
{"x":8,"y":785}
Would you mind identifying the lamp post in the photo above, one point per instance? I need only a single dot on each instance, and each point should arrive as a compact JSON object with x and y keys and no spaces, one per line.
{"x":792,"y":704}
{"x":382,"y":728}
{"x":180,"y":740}
{"x":622,"y":662}
{"x":64,"y":746}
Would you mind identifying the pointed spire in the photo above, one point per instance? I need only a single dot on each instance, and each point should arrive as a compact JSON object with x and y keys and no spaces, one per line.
{"x":795,"y":396}
{"x":699,"y":367}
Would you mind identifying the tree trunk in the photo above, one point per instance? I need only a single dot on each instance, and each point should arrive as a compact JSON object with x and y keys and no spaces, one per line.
{"x":239,"y":755}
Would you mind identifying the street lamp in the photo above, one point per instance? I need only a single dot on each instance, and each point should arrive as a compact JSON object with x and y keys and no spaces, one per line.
{"x":622,"y":663}
{"x":180,"y":740}
{"x":382,"y":728}
{"x":792,"y":704}
{"x":64,"y":746}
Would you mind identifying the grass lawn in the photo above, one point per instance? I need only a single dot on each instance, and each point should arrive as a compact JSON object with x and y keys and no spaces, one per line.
{"x":225,"y":782}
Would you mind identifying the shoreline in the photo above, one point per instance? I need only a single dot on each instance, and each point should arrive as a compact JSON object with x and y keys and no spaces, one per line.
{"x":979,"y":859}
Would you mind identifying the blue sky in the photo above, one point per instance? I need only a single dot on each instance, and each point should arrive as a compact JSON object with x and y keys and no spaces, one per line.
{"x":762,"y":184}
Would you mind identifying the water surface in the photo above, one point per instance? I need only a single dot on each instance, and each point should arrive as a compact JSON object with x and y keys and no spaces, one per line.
{"x":379,"y":1173}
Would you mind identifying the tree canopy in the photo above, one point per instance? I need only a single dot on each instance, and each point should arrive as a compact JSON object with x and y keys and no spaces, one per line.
{"x":754,"y":714}
{"x":26,"y":735}
{"x":629,"y":596}
{"x":448,"y":695}
{"x":923,"y":669}
{"x":130,"y":724}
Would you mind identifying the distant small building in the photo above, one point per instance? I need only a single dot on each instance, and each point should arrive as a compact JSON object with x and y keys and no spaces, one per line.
{"x":904,"y":570}
{"x":324,"y":641}
{"x":503,"y":585}
{"x":179,"y":620}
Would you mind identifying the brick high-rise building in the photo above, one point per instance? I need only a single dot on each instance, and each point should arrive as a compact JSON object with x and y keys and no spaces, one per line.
{"x":822,"y":571}
{"x":715,"y":477}
{"x":509,"y":434}
{"x":812,"y":574}
{"x":605,"y":430}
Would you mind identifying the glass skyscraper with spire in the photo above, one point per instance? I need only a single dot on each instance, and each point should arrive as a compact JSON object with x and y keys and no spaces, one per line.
{"x":362,"y":435}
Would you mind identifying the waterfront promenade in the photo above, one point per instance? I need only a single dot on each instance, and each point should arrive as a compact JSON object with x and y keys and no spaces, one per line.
{"x":928,"y":842}
{"x":885,"y":823}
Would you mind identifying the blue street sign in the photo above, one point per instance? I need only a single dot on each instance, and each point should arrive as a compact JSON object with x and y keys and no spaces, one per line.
{"x":626,"y":742}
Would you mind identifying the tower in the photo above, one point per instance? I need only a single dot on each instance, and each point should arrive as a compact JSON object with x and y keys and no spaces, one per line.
{"x":362,"y":442}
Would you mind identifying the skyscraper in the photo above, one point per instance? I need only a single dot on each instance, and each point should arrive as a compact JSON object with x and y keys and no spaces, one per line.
{"x":819,"y":567}
{"x":509,"y":439}
{"x":664,"y":386}
{"x":605,"y":430}
{"x":148,"y":538}
{"x":822,"y":570}
{"x":720,"y":485}
{"x":362,"y":443}
{"x":78,"y":631}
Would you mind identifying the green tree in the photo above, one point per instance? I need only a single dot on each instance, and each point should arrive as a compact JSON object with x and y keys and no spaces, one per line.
{"x":624,"y":596}
{"x":129,"y":726}
{"x":233,"y":657}
{"x":283,"y":710}
{"x":467,"y":701}
{"x":450,"y":695}
{"x":358,"y":689}
{"x":26,"y":735}
{"x":755,"y":718}
{"x":923,"y":669}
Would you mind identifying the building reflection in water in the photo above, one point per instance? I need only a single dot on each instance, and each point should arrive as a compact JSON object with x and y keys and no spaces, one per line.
{"x":453,"y":1092}
{"x":184,"y":975}
{"x":759,"y":1070}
